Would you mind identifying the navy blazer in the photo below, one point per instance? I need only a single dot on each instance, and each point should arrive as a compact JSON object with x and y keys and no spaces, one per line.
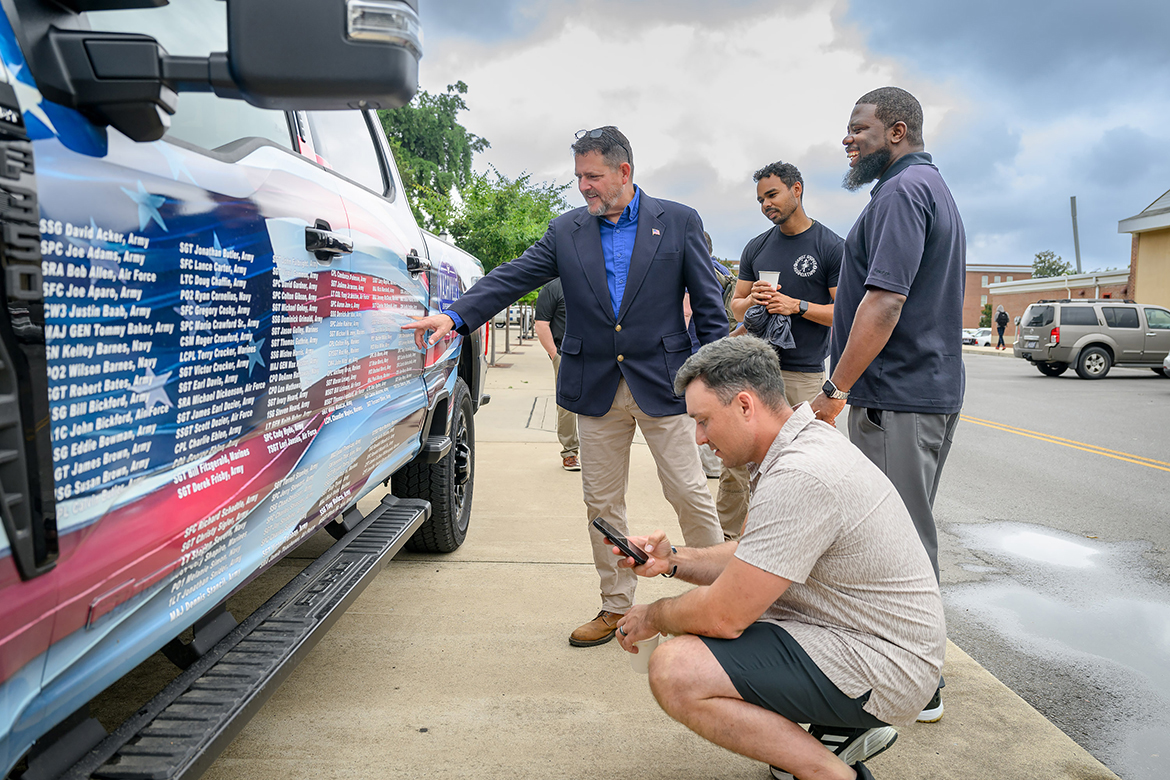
{"x":647,"y":342}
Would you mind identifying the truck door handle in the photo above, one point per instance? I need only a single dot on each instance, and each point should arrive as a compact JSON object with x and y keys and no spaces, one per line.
{"x":416,"y":264}
{"x":324,"y":243}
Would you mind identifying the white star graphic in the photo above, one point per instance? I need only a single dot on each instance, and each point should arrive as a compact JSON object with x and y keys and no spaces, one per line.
{"x":152,"y":386}
{"x":175,"y":161}
{"x":147,"y":206}
{"x":254,"y":357}
{"x":30,"y":99}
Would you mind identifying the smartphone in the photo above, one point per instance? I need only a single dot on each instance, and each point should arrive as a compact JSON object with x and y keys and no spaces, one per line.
{"x":619,"y":541}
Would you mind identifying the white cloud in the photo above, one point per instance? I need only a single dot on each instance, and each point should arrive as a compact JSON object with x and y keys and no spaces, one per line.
{"x":708,"y":96}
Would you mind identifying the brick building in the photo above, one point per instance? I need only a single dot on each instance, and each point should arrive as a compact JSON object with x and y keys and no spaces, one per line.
{"x":1149,"y":262}
{"x":1015,"y":296}
{"x":977,"y":293}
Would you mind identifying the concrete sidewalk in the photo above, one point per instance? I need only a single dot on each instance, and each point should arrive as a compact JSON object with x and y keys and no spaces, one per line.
{"x":459,"y":665}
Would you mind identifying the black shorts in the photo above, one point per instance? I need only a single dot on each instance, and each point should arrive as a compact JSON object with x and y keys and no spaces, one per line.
{"x":771,"y":670}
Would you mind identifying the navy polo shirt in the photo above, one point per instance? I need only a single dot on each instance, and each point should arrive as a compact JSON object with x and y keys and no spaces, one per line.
{"x":909,"y":240}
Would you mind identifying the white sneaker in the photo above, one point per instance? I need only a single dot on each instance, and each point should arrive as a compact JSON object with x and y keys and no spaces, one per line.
{"x":849,"y":745}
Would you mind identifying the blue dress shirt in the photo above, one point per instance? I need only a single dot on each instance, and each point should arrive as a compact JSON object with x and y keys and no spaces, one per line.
{"x":617,"y":244}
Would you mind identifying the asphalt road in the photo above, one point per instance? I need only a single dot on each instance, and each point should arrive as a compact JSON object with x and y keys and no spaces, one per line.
{"x":1054,"y":542}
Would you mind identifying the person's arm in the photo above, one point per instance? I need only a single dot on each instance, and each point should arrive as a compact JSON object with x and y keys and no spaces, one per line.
{"x":696,"y":565}
{"x":876,"y":318}
{"x":723,"y":609}
{"x":505,"y":284}
{"x":707,"y":310}
{"x":544,"y":333}
{"x":820,"y":313}
{"x":748,"y":294}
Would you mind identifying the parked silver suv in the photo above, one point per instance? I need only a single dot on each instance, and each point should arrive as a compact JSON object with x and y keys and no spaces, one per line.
{"x":1093,"y":336}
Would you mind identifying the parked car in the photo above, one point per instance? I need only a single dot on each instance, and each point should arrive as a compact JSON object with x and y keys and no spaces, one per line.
{"x":1092,"y":336}
{"x":979,"y":337}
{"x":201,"y":357}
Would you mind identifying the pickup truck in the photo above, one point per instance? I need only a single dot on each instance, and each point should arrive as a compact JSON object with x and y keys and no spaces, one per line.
{"x":206,"y":258}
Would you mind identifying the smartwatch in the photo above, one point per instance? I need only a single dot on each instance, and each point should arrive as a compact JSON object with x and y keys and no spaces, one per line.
{"x":831,"y":390}
{"x":803,"y":308}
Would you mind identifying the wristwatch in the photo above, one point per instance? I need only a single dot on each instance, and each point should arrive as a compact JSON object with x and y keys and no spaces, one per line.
{"x":803,"y":308}
{"x":831,"y":390}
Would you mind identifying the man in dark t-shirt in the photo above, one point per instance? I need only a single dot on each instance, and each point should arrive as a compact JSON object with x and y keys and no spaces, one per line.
{"x":550,"y":329}
{"x":897,"y":346}
{"x":807,"y":257}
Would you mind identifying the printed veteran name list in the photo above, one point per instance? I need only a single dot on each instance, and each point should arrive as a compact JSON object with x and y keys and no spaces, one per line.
{"x":120,"y":359}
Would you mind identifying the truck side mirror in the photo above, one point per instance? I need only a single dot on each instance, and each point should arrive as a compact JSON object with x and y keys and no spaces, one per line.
{"x":317,"y":55}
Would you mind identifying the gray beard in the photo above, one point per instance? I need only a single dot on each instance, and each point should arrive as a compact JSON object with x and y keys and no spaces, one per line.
{"x":867,"y":169}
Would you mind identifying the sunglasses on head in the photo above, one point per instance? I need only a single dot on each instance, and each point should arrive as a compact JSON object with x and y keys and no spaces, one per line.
{"x":599,"y":132}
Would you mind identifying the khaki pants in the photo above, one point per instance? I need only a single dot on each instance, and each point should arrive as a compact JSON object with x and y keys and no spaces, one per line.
{"x":566,"y":420}
{"x":605,"y":474}
{"x":734,"y":490}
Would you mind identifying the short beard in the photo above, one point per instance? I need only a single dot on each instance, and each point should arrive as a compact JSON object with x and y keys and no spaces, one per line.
{"x":867,"y":169}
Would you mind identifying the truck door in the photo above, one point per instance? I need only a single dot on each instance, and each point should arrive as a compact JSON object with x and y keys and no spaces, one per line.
{"x":373,"y":292}
{"x":1157,"y":344}
{"x":1125,"y":329}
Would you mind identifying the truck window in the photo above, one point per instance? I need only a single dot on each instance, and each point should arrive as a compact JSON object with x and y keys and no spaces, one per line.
{"x":196,"y":28}
{"x":1039,"y":316}
{"x":1118,"y":317}
{"x":1078,"y":315}
{"x":343,"y":142}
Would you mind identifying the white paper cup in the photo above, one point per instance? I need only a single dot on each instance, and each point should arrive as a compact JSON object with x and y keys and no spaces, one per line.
{"x":771,"y":277}
{"x":640,"y":661}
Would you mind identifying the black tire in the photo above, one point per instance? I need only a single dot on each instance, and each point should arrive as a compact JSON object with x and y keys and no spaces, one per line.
{"x":1052,"y":369}
{"x":447,"y":484}
{"x":1094,"y":363}
{"x":1161,"y":372}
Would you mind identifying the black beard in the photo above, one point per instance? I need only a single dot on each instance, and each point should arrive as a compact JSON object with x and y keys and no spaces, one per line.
{"x":868,"y":168}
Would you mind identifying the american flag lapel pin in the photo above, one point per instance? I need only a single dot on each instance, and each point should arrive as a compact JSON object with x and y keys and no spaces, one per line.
{"x":655,"y":232}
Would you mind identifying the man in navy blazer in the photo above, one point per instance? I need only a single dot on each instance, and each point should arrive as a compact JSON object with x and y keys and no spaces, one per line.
{"x":624,"y":260}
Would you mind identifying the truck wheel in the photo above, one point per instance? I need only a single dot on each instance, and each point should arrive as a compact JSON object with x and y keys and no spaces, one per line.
{"x":1052,"y":369}
{"x":1094,"y":363}
{"x":447,"y":484}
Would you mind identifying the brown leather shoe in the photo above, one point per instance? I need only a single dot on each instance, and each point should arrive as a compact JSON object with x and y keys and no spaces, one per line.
{"x":597,"y":631}
{"x":571,"y":463}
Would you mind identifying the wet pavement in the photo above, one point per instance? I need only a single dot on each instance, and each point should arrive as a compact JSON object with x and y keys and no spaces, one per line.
{"x":1054,"y":555}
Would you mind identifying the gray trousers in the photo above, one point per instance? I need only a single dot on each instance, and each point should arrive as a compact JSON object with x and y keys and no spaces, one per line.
{"x":910,"y":448}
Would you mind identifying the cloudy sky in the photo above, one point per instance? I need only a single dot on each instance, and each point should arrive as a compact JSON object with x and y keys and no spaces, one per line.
{"x":1026,"y":103}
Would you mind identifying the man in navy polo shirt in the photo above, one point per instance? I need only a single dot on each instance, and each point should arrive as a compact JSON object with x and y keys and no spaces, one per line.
{"x":896,"y":344}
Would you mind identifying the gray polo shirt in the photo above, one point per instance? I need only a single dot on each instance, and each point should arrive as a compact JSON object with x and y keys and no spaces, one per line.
{"x":909,"y":240}
{"x":863,"y":602}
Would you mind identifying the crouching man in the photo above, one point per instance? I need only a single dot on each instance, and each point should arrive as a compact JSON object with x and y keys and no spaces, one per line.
{"x":826,"y":611}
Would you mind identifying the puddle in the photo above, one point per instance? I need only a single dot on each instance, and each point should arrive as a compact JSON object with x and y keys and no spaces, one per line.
{"x":1078,"y":604}
{"x":1049,"y":548}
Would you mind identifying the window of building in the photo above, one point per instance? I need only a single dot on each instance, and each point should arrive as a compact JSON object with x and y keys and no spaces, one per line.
{"x":1009,"y":278}
{"x":997,"y":280}
{"x":982,"y":300}
{"x":984,"y":280}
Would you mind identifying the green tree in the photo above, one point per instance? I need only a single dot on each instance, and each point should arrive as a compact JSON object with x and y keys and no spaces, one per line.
{"x":985,"y":316}
{"x":1048,"y":263}
{"x":500,"y":217}
{"x":433,"y":150}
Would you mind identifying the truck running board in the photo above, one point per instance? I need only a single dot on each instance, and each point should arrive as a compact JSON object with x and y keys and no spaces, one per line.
{"x":182,"y":730}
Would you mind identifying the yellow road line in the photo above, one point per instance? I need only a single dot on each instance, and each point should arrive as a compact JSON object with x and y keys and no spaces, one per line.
{"x":1076,"y":445}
